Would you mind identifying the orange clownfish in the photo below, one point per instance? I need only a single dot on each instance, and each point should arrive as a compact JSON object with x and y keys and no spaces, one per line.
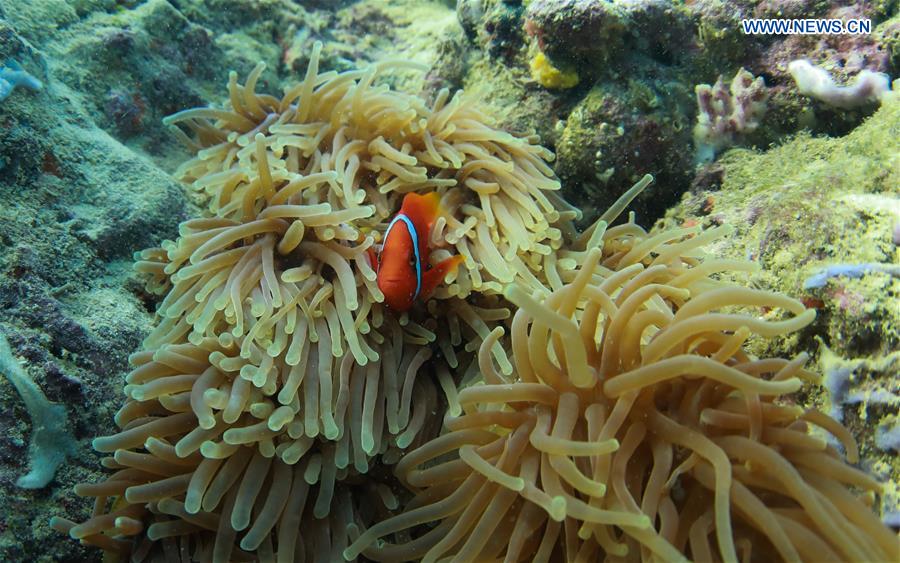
{"x":404,"y":273}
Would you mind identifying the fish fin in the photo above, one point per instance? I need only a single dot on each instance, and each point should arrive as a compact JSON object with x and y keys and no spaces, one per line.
{"x":422,"y":209}
{"x":433,"y":277}
{"x":373,"y":258}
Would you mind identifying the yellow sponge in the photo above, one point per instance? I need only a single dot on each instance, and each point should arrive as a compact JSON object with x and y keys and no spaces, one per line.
{"x":549,"y":76}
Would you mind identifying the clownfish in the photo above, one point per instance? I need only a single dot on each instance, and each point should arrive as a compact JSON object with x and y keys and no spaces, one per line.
{"x":404,"y":273}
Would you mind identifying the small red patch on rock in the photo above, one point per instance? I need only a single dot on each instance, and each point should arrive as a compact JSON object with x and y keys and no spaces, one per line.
{"x":50,"y":165}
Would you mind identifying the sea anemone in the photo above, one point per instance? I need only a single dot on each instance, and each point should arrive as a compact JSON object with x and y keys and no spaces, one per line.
{"x":177,"y":478}
{"x":274,"y":360}
{"x":634,"y":426}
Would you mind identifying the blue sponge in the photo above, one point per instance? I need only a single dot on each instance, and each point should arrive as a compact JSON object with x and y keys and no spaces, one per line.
{"x":11,"y":75}
{"x":51,"y":440}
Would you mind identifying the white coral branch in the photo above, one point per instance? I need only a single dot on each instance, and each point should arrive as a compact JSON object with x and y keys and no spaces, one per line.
{"x":868,"y":88}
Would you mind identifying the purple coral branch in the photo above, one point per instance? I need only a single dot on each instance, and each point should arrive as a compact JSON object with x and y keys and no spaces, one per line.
{"x":725,"y":113}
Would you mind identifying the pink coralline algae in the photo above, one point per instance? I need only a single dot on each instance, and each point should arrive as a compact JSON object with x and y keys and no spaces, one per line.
{"x":727,"y":113}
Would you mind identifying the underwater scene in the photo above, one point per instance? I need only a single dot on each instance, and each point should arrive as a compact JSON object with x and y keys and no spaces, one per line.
{"x":449,"y":280}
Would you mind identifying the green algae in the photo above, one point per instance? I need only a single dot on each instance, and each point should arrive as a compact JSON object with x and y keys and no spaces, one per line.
{"x":651,"y":118}
{"x":808,"y":203}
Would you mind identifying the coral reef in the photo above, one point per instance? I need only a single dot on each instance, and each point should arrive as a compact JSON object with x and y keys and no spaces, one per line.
{"x":494,"y":25}
{"x":82,"y":185}
{"x":842,"y":55}
{"x":576,"y":30}
{"x":649,"y":55}
{"x":629,"y":112}
{"x":593,"y":35}
{"x":616,"y":133}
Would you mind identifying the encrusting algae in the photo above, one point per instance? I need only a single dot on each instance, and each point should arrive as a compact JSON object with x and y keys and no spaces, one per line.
{"x":277,"y":392}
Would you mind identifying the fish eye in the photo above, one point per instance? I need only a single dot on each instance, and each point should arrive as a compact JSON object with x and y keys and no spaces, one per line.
{"x":412,"y":262}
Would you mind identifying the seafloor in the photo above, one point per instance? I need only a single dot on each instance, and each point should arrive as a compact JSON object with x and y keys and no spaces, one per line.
{"x":85,"y":181}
